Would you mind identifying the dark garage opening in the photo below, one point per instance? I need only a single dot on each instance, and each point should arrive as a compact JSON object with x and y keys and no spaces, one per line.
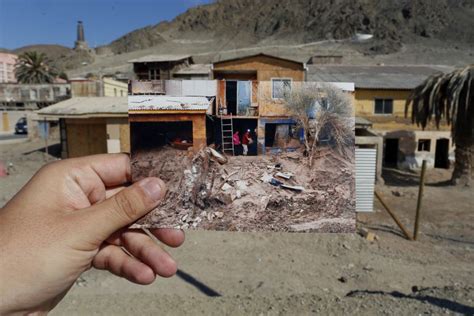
{"x":391,"y":152}
{"x":242,"y":125}
{"x":270,"y":130}
{"x":152,"y":135}
{"x":442,"y":153}
{"x":278,"y":135}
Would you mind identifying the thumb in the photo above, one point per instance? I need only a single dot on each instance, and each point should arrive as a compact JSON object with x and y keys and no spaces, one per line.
{"x":122,"y":209}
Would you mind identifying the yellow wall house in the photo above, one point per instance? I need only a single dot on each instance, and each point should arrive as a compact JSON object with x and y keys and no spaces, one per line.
{"x":106,"y":87}
{"x":380,"y":96}
{"x":114,"y":88}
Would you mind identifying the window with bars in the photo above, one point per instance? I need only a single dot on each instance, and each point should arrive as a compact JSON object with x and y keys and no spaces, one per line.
{"x":383,"y":106}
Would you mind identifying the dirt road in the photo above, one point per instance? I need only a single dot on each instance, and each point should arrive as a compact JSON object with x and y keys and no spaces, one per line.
{"x":291,"y":273}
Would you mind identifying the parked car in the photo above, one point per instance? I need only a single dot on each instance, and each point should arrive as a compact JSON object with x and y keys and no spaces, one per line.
{"x":21,"y":126}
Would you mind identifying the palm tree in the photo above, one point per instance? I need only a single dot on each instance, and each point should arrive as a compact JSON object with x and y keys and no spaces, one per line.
{"x":451,"y":97}
{"x":33,"y":67}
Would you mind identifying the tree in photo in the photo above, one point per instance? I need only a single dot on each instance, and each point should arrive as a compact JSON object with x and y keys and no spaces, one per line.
{"x":321,"y":110}
{"x":449,"y":97}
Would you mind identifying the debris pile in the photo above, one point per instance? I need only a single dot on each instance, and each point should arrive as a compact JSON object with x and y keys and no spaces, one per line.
{"x":260,"y":193}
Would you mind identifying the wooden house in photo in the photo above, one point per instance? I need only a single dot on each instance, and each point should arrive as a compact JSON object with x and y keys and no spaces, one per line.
{"x":160,"y":120}
{"x":250,"y":92}
{"x":247,"y":91}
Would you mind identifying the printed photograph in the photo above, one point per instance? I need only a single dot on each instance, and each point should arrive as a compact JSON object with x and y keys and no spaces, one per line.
{"x":318,"y":157}
{"x":246,"y":155}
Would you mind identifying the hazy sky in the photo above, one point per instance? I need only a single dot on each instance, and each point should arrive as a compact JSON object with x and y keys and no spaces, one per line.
{"x":27,"y":22}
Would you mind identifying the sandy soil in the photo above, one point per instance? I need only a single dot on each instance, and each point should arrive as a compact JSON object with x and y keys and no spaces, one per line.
{"x":237,"y":196}
{"x":285,"y":273}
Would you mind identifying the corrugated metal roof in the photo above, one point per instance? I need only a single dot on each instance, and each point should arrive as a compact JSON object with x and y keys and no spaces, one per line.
{"x":237,"y":56}
{"x":362,"y":121}
{"x":158,"y":58}
{"x":195,"y":69}
{"x":87,"y":106}
{"x":375,"y":77}
{"x":167,"y":103}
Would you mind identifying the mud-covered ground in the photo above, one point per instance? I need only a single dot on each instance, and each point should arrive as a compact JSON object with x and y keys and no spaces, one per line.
{"x":237,"y":195}
{"x":230,"y":273}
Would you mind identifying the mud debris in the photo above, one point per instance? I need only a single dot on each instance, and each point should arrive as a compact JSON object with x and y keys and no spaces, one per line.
{"x":238,"y":195}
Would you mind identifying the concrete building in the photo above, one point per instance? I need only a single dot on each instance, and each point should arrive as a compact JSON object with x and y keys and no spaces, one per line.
{"x":15,"y":96}
{"x":380,"y":96}
{"x":7,"y":67}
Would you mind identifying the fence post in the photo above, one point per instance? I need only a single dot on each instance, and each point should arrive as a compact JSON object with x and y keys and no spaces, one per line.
{"x":420,"y":198}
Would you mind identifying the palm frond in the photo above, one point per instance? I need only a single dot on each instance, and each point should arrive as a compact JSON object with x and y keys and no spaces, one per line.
{"x":445,"y":96}
{"x":33,"y":68}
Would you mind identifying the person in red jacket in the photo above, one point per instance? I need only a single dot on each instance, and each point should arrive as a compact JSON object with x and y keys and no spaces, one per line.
{"x":246,"y":140}
{"x":236,"y":141}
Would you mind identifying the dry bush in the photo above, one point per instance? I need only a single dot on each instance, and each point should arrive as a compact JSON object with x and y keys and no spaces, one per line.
{"x":321,"y":109}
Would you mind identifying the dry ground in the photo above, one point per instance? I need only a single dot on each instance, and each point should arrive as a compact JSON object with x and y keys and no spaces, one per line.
{"x":287,"y":273}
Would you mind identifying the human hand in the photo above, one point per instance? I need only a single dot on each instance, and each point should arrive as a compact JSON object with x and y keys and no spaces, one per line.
{"x":71,"y":216}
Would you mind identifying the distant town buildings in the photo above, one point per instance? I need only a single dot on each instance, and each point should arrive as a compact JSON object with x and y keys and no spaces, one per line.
{"x":7,"y":67}
{"x":15,"y":96}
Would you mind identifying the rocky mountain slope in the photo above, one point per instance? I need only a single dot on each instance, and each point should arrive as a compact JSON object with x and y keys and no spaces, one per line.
{"x":250,"y":22}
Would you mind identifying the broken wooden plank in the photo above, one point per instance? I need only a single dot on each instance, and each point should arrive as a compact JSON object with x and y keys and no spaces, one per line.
{"x":293,"y":187}
{"x":284,"y":175}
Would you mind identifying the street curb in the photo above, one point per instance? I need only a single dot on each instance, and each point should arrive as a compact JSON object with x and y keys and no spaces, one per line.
{"x":14,"y":141}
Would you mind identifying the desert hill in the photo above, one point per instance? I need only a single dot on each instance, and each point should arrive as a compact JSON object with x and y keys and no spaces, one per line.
{"x":250,"y":22}
{"x":404,"y":32}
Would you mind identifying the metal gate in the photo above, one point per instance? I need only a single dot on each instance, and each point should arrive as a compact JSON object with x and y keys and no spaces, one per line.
{"x":366,"y":161}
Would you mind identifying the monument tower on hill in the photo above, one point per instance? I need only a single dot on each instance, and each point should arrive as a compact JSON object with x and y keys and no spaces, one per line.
{"x":80,"y":43}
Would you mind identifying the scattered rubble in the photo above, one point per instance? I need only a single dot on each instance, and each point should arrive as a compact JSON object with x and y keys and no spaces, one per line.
{"x":244,"y":194}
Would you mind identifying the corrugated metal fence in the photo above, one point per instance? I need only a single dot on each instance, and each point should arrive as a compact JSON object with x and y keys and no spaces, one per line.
{"x":366,"y":159}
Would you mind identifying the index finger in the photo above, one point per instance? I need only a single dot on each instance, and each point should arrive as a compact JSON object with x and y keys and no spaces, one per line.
{"x":112,"y":169}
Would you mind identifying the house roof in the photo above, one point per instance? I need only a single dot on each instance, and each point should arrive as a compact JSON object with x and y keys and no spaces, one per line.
{"x":167,"y":103}
{"x":159,"y":58}
{"x":259,"y":54}
{"x":87,"y":107}
{"x":375,"y":77}
{"x":360,"y":121}
{"x":194,"y":69}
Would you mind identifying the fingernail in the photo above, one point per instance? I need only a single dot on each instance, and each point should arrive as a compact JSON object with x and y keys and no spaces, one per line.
{"x":154,"y":188}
